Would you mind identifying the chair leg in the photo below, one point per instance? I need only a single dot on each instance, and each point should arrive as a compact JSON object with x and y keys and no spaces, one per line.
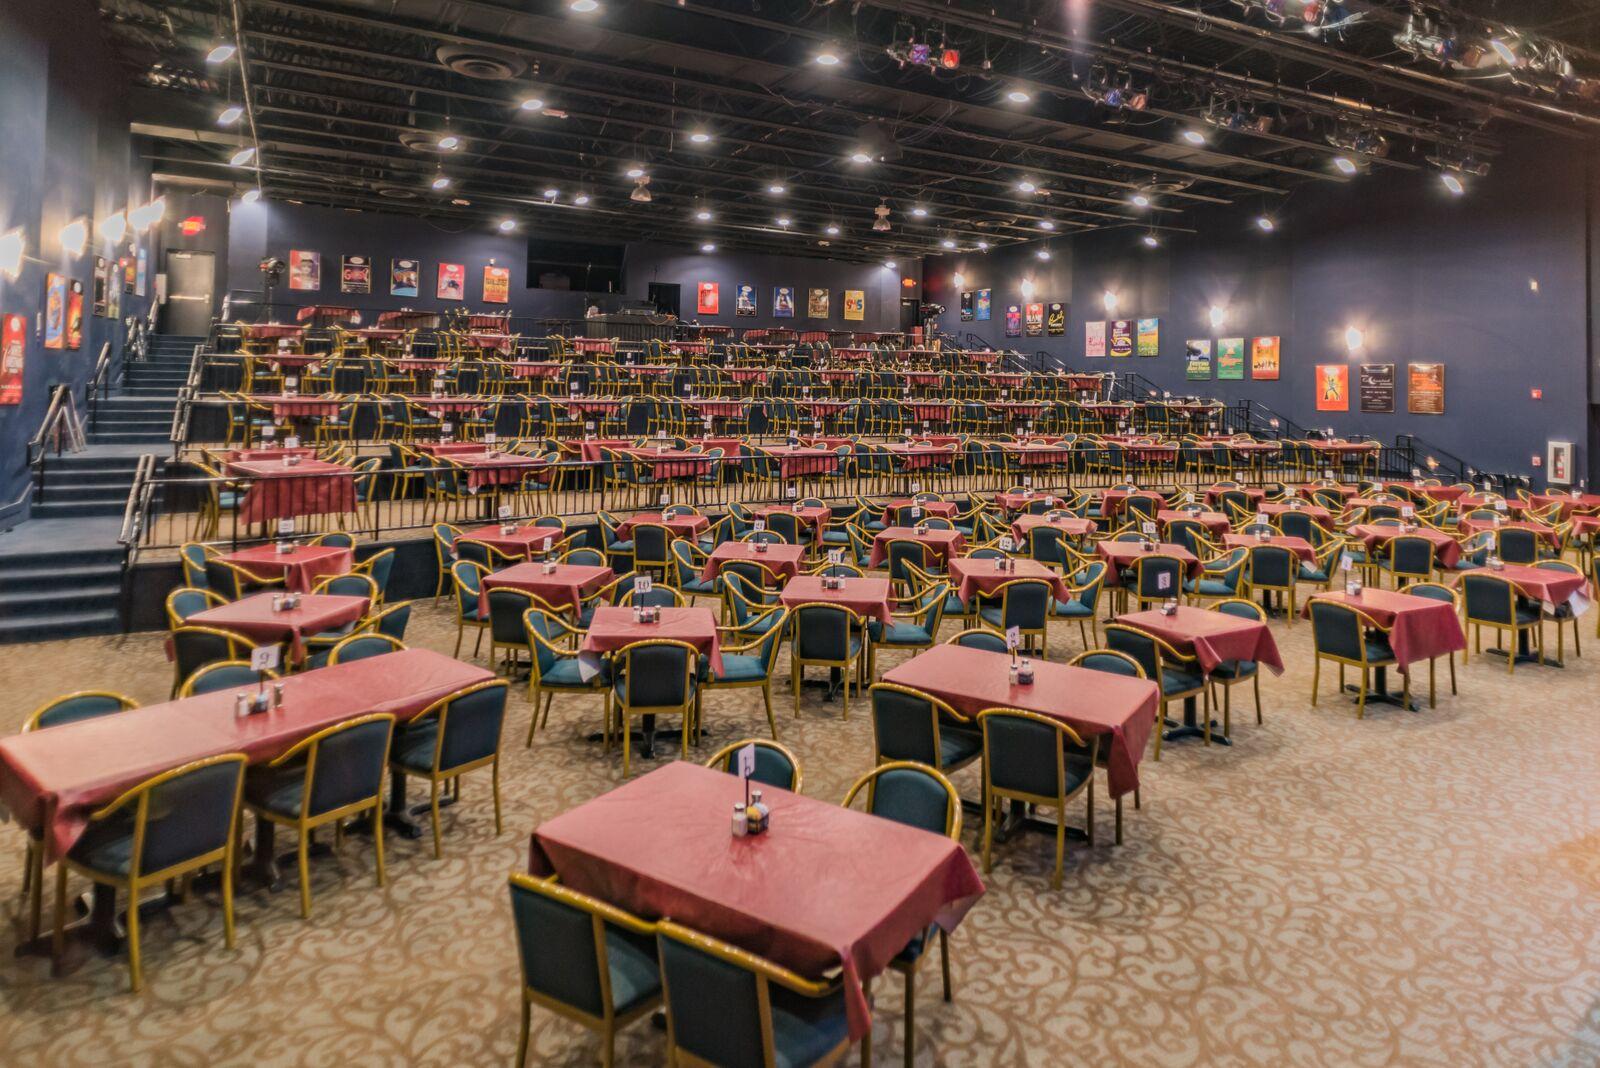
{"x":498,"y":828}
{"x":1118,"y":803}
{"x":1061,"y":845}
{"x":911,"y":1015}
{"x":433,"y":816}
{"x":522,"y":1039}
{"x":988,"y":841}
{"x":305,"y":873}
{"x":1090,"y":810}
{"x":135,"y":964}
{"x":944,"y":960}
{"x":33,"y":883}
{"x":766,"y":698}
{"x":1255,"y":682}
{"x":1316,"y":677}
{"x":227,"y":894}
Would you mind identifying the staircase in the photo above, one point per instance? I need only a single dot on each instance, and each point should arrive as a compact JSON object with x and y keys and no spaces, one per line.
{"x":61,"y":571}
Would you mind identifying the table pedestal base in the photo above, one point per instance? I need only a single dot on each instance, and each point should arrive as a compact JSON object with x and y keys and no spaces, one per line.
{"x":1191,"y":727}
{"x":1380,"y":692}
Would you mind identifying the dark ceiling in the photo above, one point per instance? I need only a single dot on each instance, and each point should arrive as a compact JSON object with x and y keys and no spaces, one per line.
{"x":1242,"y":101}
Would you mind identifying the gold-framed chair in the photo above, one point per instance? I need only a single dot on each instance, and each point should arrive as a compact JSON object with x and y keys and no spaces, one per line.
{"x":180,"y":821}
{"x":1026,"y":759}
{"x":825,"y":635}
{"x":1437,"y":591}
{"x":776,"y":764}
{"x":1350,"y":638}
{"x":751,"y":663}
{"x":1491,"y":601}
{"x":655,"y":677}
{"x":1180,"y":681}
{"x":452,"y":736}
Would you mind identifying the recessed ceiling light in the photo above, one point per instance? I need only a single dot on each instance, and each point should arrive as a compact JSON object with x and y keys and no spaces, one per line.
{"x":230,"y":115}
{"x":920,"y":212}
{"x":449,"y":142}
{"x":551,"y":194}
{"x":1266,"y":223}
{"x":983,"y":246}
{"x":507,"y":225}
{"x":828,"y":58}
{"x":1140,"y":200}
{"x":833,"y":231}
{"x":708,"y":247}
{"x":635,"y":172}
{"x":783,"y":220}
{"x":703,"y":215}
{"x":700,"y":137}
{"x":221,"y":53}
{"x":1344,"y":164}
{"x":1194,"y":137}
{"x":250,"y":196}
{"x":1018,"y":96}
{"x":242,"y":157}
{"x":1043,"y":254}
{"x":948,"y":242}
{"x":441,"y":182}
{"x":889,"y":265}
{"x":777,"y":189}
{"x":533,"y":103}
{"x":860,"y":157}
{"x":1026,"y":186}
{"x":581,"y":199}
{"x":462,"y":202}
{"x":1046,"y":224}
{"x":584,"y":7}
{"x":1151,"y":240}
{"x":1452,"y":183}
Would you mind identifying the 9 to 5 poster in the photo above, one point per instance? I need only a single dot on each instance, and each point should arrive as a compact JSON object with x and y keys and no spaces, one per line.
{"x":855,"y":305}
{"x":305,"y":269}
{"x":1013,"y":320}
{"x":355,"y":274}
{"x":985,"y":304}
{"x":1122,"y":337}
{"x":452,"y":282}
{"x":1094,"y":338}
{"x":1149,"y":337}
{"x":55,"y":311}
{"x":497,"y":285}
{"x":13,"y":350}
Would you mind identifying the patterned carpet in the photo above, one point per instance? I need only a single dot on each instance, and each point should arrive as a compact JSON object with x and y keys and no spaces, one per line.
{"x":1417,"y":889}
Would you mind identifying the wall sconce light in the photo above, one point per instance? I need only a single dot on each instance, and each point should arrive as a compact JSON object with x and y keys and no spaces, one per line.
{"x":1353,"y":339}
{"x":114,"y":227}
{"x":74,"y":237}
{"x":11,"y":247}
{"x":1110,"y":301}
{"x":1027,"y":288}
{"x":959,"y":280}
{"x":1219,"y":315}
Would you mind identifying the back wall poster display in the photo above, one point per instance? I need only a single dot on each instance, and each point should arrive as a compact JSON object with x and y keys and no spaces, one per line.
{"x":355,"y":274}
{"x":1197,"y":359}
{"x":305,"y":270}
{"x":13,"y":352}
{"x":855,"y":305}
{"x":452,"y":282}
{"x":985,"y":305}
{"x":1055,"y":321}
{"x":744,"y":299}
{"x":1425,"y":388}
{"x":1094,"y":338}
{"x":1013,"y":320}
{"x":1333,"y":387}
{"x":1035,"y":318}
{"x":1265,"y":358}
{"x":966,"y":306}
{"x":1375,"y":387}
{"x":74,"y":314}
{"x":404,"y":277}
{"x":1149,"y":340}
{"x":817,"y":304}
{"x":1122,"y":337}
{"x":783,"y":302}
{"x":55,"y":311}
{"x":1230,"y":358}
{"x":708,"y":298}
{"x":497,"y":285}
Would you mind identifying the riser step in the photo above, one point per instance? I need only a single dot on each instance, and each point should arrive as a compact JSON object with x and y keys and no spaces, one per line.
{"x":88,"y":461}
{"x":163,"y":438}
{"x":35,"y":577}
{"x":99,"y":596}
{"x":62,"y":493}
{"x":58,"y":626}
{"x":66,"y":510}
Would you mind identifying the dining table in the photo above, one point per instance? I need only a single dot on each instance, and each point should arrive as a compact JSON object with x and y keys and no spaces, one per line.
{"x":256,"y":618}
{"x":300,"y":566}
{"x":1418,"y":628}
{"x":1214,"y":639}
{"x":867,"y":596}
{"x":940,"y":544}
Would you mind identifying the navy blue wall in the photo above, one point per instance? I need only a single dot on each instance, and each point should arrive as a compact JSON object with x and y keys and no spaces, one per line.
{"x":68,"y":155}
{"x":1424,"y":275}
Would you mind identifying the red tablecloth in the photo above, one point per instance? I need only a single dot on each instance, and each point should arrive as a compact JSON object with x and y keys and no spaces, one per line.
{"x":920,"y":457}
{"x":532,"y":369}
{"x":1345,"y":448}
{"x":683,"y":526}
{"x":672,"y":463}
{"x":312,"y":487}
{"x":938,"y":509}
{"x":723,"y":409}
{"x":1472,"y":501}
{"x":1585,"y":524}
{"x":1213,"y":522}
{"x":1090,"y":702}
{"x":941,"y":544}
{"x":924,"y":412}
{"x":1254,"y":493}
{"x":972,"y":577}
{"x":500,"y":469}
{"x":756,"y":374}
{"x":1419,"y":628}
{"x":1446,"y":549}
{"x":1566,"y":501}
{"x":613,"y":627}
{"x":1299,"y":546}
{"x":524,"y":541}
{"x":867,"y":597}
{"x":1113,"y":501}
{"x":1479,"y":526}
{"x":1438,"y":493}
{"x":782,"y":560}
{"x":452,"y":448}
{"x":246,"y":455}
{"x":812,"y":515}
{"x":1548,"y":585}
{"x":51,"y":780}
{"x":1213,"y":637}
{"x":1121,"y":554}
{"x":1319,"y":515}
{"x":1015,"y":502}
{"x":794,"y":462}
{"x":589,"y":450}
{"x":827,"y":887}
{"x":1071,"y":525}
{"x":292,"y":406}
{"x":563,"y":588}
{"x":254,"y":618}
{"x":268,"y":331}
{"x":1034,"y":454}
{"x":1342,"y":490}
{"x":301,"y":569}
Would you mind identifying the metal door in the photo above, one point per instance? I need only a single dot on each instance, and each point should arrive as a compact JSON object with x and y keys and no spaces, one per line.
{"x":190,"y":278}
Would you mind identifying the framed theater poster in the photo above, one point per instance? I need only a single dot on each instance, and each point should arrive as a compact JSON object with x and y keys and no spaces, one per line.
{"x":55,"y":311}
{"x":102,"y":285}
{"x":1149,"y":340}
{"x":1375,"y":387}
{"x":1197,"y":359}
{"x":708,"y":298}
{"x":1264,"y":358}
{"x":404,"y":277}
{"x":1425,"y":389}
{"x":355,"y":274}
{"x":744,"y":299}
{"x":817,"y":304}
{"x":1230,"y":358}
{"x":1035,"y":318}
{"x":452,"y":282}
{"x":855,"y":305}
{"x":783,"y":302}
{"x":966,"y":306}
{"x":497,"y":285}
{"x":1055,"y":320}
{"x":985,"y":305}
{"x":305,"y":269}
{"x":1333,"y":387}
{"x":13,"y":351}
{"x":74,"y":314}
{"x":1094,"y":338}
{"x":1013,"y":320}
{"x":1122,"y":337}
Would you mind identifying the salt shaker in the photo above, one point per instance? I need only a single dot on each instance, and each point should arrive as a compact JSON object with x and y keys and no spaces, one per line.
{"x":277,"y":695}
{"x":741,"y":822}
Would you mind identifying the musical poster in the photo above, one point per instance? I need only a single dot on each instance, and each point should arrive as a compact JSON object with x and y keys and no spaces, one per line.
{"x":305,"y":270}
{"x":1375,"y":384}
{"x":744,"y":299}
{"x":1035,"y":318}
{"x":497,"y":285}
{"x":1013,"y":320}
{"x":1333,"y":387}
{"x":1230,"y":358}
{"x":1122,"y":337}
{"x":817,"y":304}
{"x":1149,"y":340}
{"x":404,"y":278}
{"x":1055,"y":322}
{"x":102,"y":286}
{"x":708,"y":298}
{"x":783,"y":302}
{"x":452,"y":282}
{"x":126,"y":263}
{"x":1197,"y":359}
{"x":966,"y":306}
{"x":855,"y":305}
{"x":55,"y":311}
{"x":74,"y":314}
{"x":141,"y":272}
{"x":985,"y":305}
{"x":1094,"y":338}
{"x":1425,"y":389}
{"x":1264,"y":358}
{"x":13,"y":352}
{"x":355,"y":274}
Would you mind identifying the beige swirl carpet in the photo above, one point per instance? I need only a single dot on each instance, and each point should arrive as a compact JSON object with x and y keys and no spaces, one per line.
{"x":1414,"y":889}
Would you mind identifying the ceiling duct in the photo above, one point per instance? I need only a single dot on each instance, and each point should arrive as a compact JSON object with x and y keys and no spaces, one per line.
{"x":481,"y":62}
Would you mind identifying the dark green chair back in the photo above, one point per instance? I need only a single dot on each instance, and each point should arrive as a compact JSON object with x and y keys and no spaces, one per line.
{"x":472,"y":723}
{"x":349,"y":765}
{"x":714,"y":1006}
{"x":656,"y":675}
{"x":822,"y":632}
{"x":1337,"y":630}
{"x":1111,"y":665}
{"x":1137,"y":645}
{"x":1489,"y":598}
{"x":1024,"y":755}
{"x":903,"y":725}
{"x":910,"y":796}
{"x":987,"y":640}
{"x":505,"y":615}
{"x":187,"y":816}
{"x":74,"y":707}
{"x":1272,"y":565}
{"x":556,"y":945}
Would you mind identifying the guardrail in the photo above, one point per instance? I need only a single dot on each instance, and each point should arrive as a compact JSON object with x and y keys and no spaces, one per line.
{"x":61,"y":429}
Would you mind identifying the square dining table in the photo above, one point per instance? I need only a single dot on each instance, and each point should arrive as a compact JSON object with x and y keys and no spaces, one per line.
{"x":940,"y":544}
{"x":781,"y":558}
{"x":311,"y":487}
{"x":1073,"y":526}
{"x":525,"y":540}
{"x":302,"y":567}
{"x":683,"y":525}
{"x":1120,"y":555}
{"x":1304,"y":550}
{"x":255,"y":618}
{"x":1419,"y":628}
{"x":826,"y":887}
{"x":868,"y":596}
{"x":564,"y":587}
{"x":1446,"y":550}
{"x":614,"y":627}
{"x":981,"y":576}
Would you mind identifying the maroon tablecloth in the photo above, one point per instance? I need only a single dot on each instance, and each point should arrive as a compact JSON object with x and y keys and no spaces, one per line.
{"x":312,"y":487}
{"x":452,"y":448}
{"x":1034,"y":454}
{"x":1071,"y":525}
{"x":974,"y":576}
{"x":238,"y":455}
{"x":590,"y":449}
{"x":1213,"y":522}
{"x":51,"y":780}
{"x":826,"y":887}
{"x":1090,"y":702}
{"x":524,"y":541}
{"x":1479,"y":526}
{"x":1015,"y":502}
{"x":1549,"y":585}
{"x":565,"y":587}
{"x":782,"y":560}
{"x":1319,"y":515}
{"x":254,"y":618}
{"x":1438,"y":493}
{"x":1446,"y":550}
{"x":672,"y":463}
{"x":500,"y":469}
{"x":867,"y":597}
{"x":941,"y":544}
{"x":796,"y":462}
{"x":939,"y":509}
{"x":812,"y":515}
{"x":1121,"y":554}
{"x":919,"y":457}
{"x":1567,"y":502}
{"x":683,"y":526}
{"x":301,"y":569}
{"x":1254,"y":493}
{"x":293,"y":406}
{"x":1299,"y":546}
{"x":1419,"y":628}
{"x":613,"y":627}
{"x":1212,"y":637}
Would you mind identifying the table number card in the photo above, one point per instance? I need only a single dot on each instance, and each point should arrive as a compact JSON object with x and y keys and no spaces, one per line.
{"x":265,"y":658}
